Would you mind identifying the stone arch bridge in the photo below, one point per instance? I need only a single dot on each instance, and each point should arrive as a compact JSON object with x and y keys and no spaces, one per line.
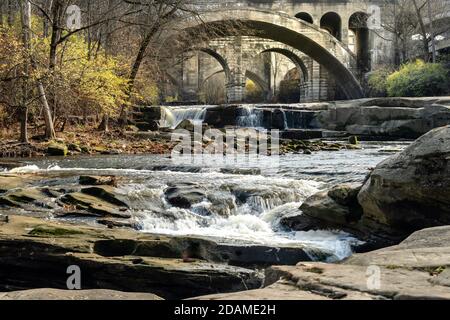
{"x":314,"y":39}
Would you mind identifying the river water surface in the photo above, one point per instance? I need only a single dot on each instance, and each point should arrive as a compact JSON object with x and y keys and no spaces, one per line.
{"x":244,"y":204}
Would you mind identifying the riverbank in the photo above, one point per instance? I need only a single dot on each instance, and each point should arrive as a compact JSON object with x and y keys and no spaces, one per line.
{"x":89,"y":141}
{"x":86,"y":141}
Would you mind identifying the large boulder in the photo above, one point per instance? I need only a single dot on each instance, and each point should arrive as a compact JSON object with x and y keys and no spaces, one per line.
{"x":411,"y":190}
{"x":408,"y":192}
{"x":185,"y":195}
{"x":331,"y":209}
{"x":57,"y":149}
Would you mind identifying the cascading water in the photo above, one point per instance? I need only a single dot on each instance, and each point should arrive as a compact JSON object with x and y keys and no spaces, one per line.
{"x":250,"y":117}
{"x":173,"y":116}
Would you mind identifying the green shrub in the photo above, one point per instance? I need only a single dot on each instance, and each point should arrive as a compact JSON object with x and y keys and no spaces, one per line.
{"x":377,"y":81}
{"x":418,"y":79}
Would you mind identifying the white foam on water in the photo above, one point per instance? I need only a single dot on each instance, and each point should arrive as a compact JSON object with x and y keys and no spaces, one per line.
{"x":173,"y":116}
{"x":256,"y":221}
{"x":25,"y":169}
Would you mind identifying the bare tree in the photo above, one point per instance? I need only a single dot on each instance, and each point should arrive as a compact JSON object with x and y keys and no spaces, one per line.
{"x":1,"y":13}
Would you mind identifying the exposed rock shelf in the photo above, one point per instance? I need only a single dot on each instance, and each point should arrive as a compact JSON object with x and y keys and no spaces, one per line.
{"x":116,"y":260}
{"x":379,"y":118}
{"x":418,"y":268}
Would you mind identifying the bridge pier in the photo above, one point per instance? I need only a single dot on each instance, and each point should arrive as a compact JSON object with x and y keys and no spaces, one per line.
{"x":235,"y":92}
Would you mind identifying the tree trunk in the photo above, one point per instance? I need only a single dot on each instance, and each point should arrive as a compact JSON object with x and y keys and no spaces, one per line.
{"x":49,"y":127}
{"x":24,"y":124}
{"x":433,"y":40}
{"x":25,"y":15}
{"x":27,"y":34}
{"x":56,"y":33}
{"x":104,"y":125}
{"x":423,"y":29}
{"x":135,"y":70}
{"x":48,"y":8}
{"x":10,"y":4}
{"x":1,"y":13}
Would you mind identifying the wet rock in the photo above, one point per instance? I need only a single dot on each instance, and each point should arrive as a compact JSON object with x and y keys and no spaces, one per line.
{"x":9,"y":182}
{"x":105,"y":193}
{"x":353,"y":140}
{"x":278,"y":119}
{"x":335,"y":208}
{"x":25,"y":197}
{"x":83,"y":295}
{"x":387,"y":117}
{"x":116,"y":223}
{"x":411,"y":190}
{"x":110,"y":259}
{"x":221,"y":116}
{"x":97,"y":201}
{"x":57,"y":149}
{"x":98,"y":181}
{"x":74,"y":147}
{"x":415,"y":269}
{"x":186,"y":124}
{"x":184,"y":195}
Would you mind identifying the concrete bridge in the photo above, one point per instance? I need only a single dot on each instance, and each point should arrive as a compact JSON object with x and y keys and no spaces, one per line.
{"x":325,"y":43}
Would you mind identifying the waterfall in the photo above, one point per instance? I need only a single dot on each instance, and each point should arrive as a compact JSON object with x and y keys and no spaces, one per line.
{"x":173,"y":116}
{"x":250,"y":117}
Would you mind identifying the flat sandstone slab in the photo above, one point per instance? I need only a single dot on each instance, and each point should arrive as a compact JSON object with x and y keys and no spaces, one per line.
{"x":56,"y":294}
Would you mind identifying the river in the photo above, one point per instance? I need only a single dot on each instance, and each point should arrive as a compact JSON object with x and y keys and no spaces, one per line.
{"x":243,"y":204}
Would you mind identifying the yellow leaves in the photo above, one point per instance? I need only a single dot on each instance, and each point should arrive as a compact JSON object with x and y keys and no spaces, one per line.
{"x":92,"y":79}
{"x":12,"y":54}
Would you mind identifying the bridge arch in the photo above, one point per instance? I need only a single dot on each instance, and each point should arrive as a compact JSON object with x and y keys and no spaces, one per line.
{"x":357,"y":24}
{"x":223,"y":62}
{"x":305,"y":17}
{"x":258,"y":80}
{"x":332,"y":23}
{"x":298,"y":62}
{"x":300,"y":35}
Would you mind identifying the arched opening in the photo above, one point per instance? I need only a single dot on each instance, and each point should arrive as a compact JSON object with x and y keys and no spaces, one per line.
{"x":256,"y":89}
{"x":298,"y":62}
{"x":208,"y":86}
{"x":332,"y":23}
{"x":289,"y":89}
{"x":360,"y":32}
{"x":212,"y":90}
{"x":219,"y":59}
{"x":305,"y":17}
